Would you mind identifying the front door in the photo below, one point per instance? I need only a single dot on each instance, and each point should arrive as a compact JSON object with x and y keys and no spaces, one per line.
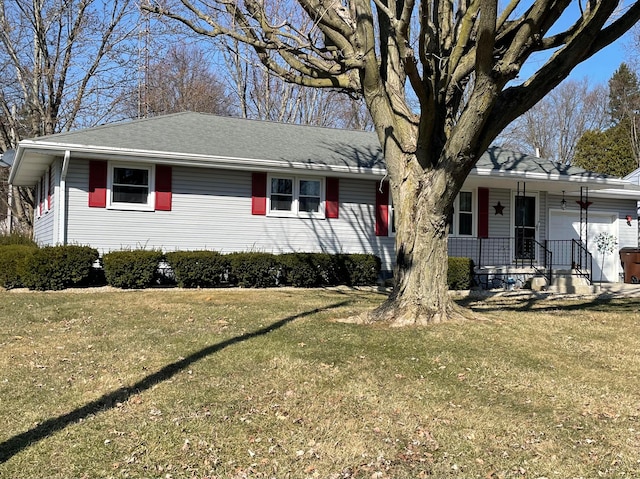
{"x":526,"y":221}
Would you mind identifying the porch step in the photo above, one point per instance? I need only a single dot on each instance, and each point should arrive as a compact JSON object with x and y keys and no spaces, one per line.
{"x":570,"y":284}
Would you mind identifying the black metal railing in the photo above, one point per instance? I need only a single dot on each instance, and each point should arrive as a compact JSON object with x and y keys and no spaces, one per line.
{"x":581,"y":260}
{"x":543,"y":257}
{"x":507,"y":251}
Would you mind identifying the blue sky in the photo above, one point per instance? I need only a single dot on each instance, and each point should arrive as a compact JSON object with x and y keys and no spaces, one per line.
{"x":602,"y":66}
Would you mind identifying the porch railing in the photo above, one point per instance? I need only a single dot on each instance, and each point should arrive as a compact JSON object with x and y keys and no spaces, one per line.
{"x":525,"y":252}
{"x":501,"y":252}
{"x":572,"y":255}
{"x":581,"y":260}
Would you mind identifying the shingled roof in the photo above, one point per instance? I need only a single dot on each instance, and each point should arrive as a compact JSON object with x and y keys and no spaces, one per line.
{"x":198,"y":139}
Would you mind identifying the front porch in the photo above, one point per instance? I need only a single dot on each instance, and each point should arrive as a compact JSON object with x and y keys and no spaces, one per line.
{"x":513,"y":262}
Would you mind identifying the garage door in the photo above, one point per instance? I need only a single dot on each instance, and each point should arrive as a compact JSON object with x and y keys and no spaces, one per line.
{"x":565,"y":225}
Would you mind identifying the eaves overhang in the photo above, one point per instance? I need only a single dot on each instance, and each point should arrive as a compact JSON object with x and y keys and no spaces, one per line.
{"x":554,"y":182}
{"x":41,"y":153}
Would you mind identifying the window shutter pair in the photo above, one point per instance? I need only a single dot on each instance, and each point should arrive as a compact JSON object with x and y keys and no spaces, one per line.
{"x":98,"y":186}
{"x":259,"y":195}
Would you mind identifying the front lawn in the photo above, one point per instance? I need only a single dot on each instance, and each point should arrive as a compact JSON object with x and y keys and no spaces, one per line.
{"x":234,"y":383}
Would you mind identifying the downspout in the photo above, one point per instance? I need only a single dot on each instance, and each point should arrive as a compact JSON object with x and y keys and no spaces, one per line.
{"x":62,"y":216}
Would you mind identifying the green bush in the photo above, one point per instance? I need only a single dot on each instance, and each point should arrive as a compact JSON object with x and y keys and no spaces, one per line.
{"x":460,"y":273}
{"x":16,"y":238}
{"x":253,"y":270}
{"x":360,"y":269}
{"x":59,"y":267}
{"x":131,"y":269}
{"x":331,"y":269}
{"x":13,"y":264}
{"x":301,"y":270}
{"x":198,"y":269}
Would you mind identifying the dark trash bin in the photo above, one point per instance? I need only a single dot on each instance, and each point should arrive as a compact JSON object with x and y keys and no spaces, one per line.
{"x":630,"y":259}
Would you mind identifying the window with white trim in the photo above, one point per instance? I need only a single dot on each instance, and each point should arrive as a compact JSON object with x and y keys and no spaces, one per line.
{"x":462,"y":222}
{"x":295,"y":196}
{"x":129,"y":187}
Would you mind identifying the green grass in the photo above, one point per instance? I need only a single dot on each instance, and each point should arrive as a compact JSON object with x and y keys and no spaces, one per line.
{"x":266,"y":384}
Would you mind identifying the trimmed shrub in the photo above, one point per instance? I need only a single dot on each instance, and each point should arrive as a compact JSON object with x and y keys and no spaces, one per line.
{"x":198,"y":269}
{"x":16,"y":238}
{"x":331,"y":269}
{"x":460,"y":273}
{"x":301,"y":270}
{"x":59,"y":267}
{"x":361,"y":269}
{"x":131,"y":269}
{"x":13,"y":264}
{"x":253,"y":270}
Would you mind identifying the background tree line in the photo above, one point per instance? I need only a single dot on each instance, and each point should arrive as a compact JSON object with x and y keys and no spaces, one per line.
{"x":80,"y":63}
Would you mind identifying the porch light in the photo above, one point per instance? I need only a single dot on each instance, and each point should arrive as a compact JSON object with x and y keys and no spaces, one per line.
{"x":563,"y":203}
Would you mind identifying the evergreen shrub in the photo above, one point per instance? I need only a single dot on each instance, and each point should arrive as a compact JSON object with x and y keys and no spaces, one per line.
{"x":15,"y":239}
{"x":301,"y":270}
{"x":361,"y":269}
{"x":13,"y":264}
{"x":460,"y":273}
{"x":59,"y":267}
{"x":198,"y":269}
{"x":131,"y":269}
{"x":253,"y":270}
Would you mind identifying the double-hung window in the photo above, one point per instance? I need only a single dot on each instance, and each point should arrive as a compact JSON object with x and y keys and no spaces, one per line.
{"x":294,"y":196}
{"x":462,"y":222}
{"x":130,"y":187}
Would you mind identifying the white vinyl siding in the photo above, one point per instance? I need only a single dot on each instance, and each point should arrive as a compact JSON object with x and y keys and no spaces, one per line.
{"x":44,"y":225}
{"x":212,"y":209}
{"x":499,"y":224}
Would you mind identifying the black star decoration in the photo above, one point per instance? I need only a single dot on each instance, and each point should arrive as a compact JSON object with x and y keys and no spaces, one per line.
{"x":499,"y":209}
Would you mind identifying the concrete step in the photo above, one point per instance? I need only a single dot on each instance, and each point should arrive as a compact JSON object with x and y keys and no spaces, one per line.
{"x":570,"y":284}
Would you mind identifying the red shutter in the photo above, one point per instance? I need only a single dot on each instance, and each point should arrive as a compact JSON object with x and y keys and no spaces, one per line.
{"x":382,"y":209}
{"x":259,"y":194}
{"x":332,"y":204}
{"x":50,"y":190}
{"x":163,"y":188}
{"x":483,"y":212}
{"x":98,"y":184}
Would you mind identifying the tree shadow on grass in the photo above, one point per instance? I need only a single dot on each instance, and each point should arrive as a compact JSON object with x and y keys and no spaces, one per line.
{"x":15,"y":444}
{"x":541,"y":303}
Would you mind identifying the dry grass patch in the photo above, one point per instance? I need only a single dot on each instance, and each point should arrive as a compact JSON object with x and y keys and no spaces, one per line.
{"x":247,"y":383}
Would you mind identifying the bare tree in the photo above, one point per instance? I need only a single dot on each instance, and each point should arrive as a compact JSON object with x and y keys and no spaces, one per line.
{"x":457,"y":58}
{"x":552,"y":128}
{"x":261,"y":95}
{"x":63,"y":67}
{"x":183,"y":80}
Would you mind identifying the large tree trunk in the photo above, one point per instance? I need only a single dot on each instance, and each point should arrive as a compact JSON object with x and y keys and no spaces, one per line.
{"x":421,"y":295}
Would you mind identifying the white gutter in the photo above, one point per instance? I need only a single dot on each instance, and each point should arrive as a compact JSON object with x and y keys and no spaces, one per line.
{"x":196,"y":160}
{"x":252,"y":164}
{"x":62,"y":200}
{"x":527,"y":175}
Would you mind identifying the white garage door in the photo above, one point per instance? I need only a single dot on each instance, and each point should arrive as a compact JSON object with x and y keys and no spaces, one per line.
{"x":565,"y":225}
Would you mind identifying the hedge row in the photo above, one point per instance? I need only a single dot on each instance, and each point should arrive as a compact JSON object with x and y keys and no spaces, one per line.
{"x":204,"y":269}
{"x":59,"y":267}
{"x":48,"y":268}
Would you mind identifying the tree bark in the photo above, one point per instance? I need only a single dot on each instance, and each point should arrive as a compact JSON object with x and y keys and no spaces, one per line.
{"x":420,"y":294}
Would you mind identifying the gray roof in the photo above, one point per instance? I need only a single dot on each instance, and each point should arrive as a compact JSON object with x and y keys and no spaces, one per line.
{"x":6,"y":158}
{"x":214,"y":141}
{"x":211,"y":135}
{"x":497,"y":158}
